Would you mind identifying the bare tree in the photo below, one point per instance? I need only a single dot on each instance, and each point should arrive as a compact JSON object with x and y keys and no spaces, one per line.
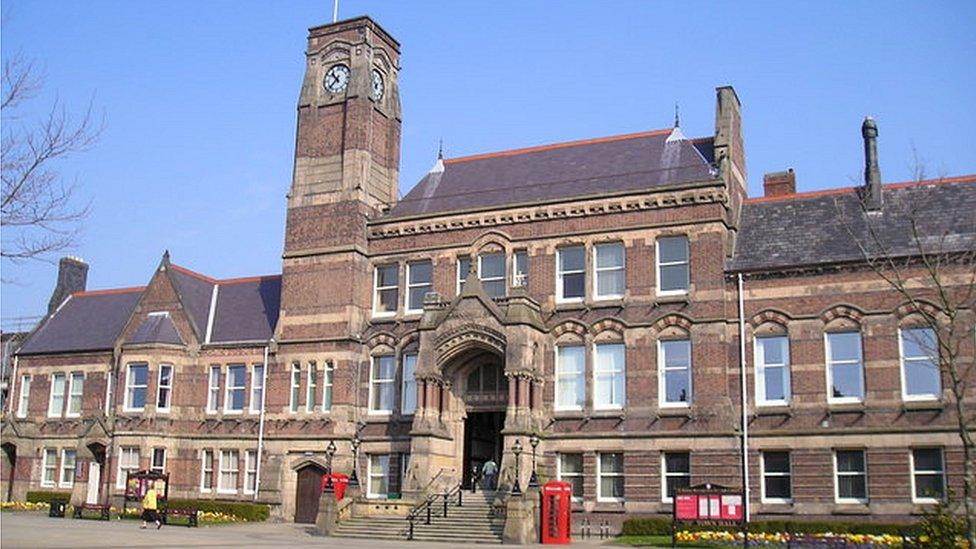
{"x":39,"y":211}
{"x":932,"y":267}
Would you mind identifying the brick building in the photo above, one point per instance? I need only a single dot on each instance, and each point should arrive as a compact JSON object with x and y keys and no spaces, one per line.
{"x":586,"y":292}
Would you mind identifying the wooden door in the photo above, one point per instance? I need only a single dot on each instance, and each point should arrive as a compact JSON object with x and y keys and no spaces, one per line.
{"x":307,"y":494}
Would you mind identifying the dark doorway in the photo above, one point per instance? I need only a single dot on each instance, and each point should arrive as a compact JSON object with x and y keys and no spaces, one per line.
{"x":10,"y":451}
{"x":307,"y":493}
{"x":482,"y":441}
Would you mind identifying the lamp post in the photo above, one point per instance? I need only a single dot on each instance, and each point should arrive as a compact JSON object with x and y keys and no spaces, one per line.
{"x":354,"y":478}
{"x":330,"y":451}
{"x":517,"y":450}
{"x":534,"y":479}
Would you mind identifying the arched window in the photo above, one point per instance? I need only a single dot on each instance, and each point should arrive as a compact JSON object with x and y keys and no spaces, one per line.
{"x":486,"y":378}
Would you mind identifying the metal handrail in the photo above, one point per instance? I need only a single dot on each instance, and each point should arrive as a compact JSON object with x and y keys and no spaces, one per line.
{"x":428,"y":504}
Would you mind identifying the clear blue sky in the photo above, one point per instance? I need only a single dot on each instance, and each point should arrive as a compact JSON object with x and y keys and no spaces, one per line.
{"x":199,"y":100}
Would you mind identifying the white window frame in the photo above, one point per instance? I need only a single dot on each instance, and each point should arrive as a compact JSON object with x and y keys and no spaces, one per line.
{"x":600,"y":474}
{"x":213,"y":388}
{"x":662,"y":378}
{"x":72,"y":387}
{"x":311,"y":385}
{"x":51,"y":453}
{"x":377,"y":288}
{"x":912,"y":472}
{"x":762,"y":476}
{"x":228,"y":388}
{"x":622,"y":372}
{"x":328,"y":380}
{"x":560,"y":374}
{"x":408,"y":385}
{"x":51,"y":412}
{"x":830,"y":363}
{"x":760,"y":366}
{"x":838,"y":474}
{"x":658,"y":264}
{"x":295,"y":387}
{"x":520,"y":279}
{"x":373,"y":382}
{"x":902,"y":359}
{"x":152,"y":459}
{"x":23,"y":402}
{"x":462,"y":275}
{"x":665,"y":474}
{"x":597,"y":270}
{"x":62,"y":467}
{"x":560,"y":274}
{"x":234,"y":458}
{"x":160,"y":387}
{"x":562,"y":476}
{"x":369,"y":476}
{"x":409,"y":286}
{"x":257,"y":388}
{"x":250,"y":474}
{"x":122,"y":468}
{"x":129,"y":387}
{"x":503,"y":278}
{"x":206,"y":470}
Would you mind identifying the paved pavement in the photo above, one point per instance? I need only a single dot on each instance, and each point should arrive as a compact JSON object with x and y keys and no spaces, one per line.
{"x":30,"y":530}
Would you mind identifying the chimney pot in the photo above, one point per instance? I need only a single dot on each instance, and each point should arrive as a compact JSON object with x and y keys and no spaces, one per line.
{"x":779,"y":183}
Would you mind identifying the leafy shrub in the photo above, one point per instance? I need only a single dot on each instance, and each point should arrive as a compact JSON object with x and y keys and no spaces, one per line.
{"x":653,"y":526}
{"x":251,"y":512}
{"x":45,"y":496}
{"x":941,"y":527}
{"x":659,"y":526}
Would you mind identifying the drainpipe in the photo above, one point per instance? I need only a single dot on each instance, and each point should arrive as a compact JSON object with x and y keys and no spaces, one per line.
{"x":264,"y":398}
{"x":745,"y":401}
{"x":11,"y":396}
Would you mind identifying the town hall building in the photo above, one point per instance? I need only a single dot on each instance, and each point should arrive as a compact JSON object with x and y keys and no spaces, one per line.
{"x":612,"y":297}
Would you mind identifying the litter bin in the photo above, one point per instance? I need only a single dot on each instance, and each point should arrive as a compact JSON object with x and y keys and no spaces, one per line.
{"x":57,"y":509}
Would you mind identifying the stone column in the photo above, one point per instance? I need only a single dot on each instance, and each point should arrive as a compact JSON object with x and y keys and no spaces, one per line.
{"x":522,"y":519}
{"x":328,"y":519}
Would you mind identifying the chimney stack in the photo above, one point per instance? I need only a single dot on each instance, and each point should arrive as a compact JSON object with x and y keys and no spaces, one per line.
{"x":872,"y":173}
{"x":779,"y":183}
{"x":72,"y":277}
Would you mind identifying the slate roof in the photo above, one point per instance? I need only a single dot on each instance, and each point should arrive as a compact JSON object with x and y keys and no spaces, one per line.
{"x":247,"y":310}
{"x":86,"y":321}
{"x":156,"y":328}
{"x":196,"y":291}
{"x":809,"y":229}
{"x":561,"y":171}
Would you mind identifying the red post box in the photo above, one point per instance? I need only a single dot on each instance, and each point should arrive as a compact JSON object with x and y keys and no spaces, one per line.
{"x":339,"y":483}
{"x":556,"y":508}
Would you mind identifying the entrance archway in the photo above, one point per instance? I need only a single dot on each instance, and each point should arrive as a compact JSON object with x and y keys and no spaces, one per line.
{"x":10,"y":452}
{"x":485,"y":396}
{"x":307,"y":493}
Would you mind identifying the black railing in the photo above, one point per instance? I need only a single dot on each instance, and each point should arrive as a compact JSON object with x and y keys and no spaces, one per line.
{"x":426,"y":508}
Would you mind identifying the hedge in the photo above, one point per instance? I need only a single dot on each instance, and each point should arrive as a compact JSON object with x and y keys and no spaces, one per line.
{"x":658,"y":526}
{"x":251,"y":512}
{"x":45,"y":496}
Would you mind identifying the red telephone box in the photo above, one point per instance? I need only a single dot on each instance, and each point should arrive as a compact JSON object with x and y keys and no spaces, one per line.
{"x":339,"y":483}
{"x":556,"y":508}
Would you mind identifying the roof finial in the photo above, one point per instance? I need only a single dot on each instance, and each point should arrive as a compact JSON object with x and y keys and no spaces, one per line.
{"x":677,"y":120}
{"x":440,"y":150}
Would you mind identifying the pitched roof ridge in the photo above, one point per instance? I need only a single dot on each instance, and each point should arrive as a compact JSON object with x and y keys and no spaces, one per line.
{"x":109,"y":291}
{"x":560,"y":145}
{"x":245,"y":279}
{"x":194,"y":274}
{"x":844,"y":190}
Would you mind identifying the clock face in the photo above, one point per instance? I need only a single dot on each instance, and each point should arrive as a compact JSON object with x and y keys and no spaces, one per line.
{"x":337,"y":78}
{"x":376,"y":90}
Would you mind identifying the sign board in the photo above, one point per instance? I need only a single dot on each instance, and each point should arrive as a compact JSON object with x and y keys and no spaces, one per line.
{"x":708,"y":503}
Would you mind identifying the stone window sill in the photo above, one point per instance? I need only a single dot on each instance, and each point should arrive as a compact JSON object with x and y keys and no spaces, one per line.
{"x":851,"y":509}
{"x":777,"y":509}
{"x":923,"y":405}
{"x":672,"y":299}
{"x":857,"y":407}
{"x":674,"y":412}
{"x":780,"y":410}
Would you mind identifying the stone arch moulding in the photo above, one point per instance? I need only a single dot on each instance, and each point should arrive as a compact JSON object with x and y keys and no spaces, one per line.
{"x":922,"y":308}
{"x":774,"y":316}
{"x":409,"y":341}
{"x":842,"y":311}
{"x":569,"y":326}
{"x":382,"y":339}
{"x":612,"y":325}
{"x":466,"y":338}
{"x":489,"y":238}
{"x":325,"y":54}
{"x":309,"y":462}
{"x":671,"y":322}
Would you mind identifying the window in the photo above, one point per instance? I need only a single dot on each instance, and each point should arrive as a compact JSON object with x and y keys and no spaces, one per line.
{"x":609,"y":267}
{"x":387,"y":290}
{"x":772,"y":359}
{"x":229,"y":466}
{"x":675,"y":472}
{"x":257,"y":388}
{"x":845,"y":369}
{"x":570,"y":469}
{"x":570,"y":360}
{"x":928,"y":475}
{"x":672,"y":265}
{"x":327,"y":378}
{"x":164,"y":389}
{"x":213,"y":395}
{"x":311,"y":386}
{"x":136,"y":384}
{"x":520,"y":269}
{"x":296,"y":382}
{"x":67,"y":478}
{"x":408,"y":397}
{"x":24,"y":402}
{"x":382,"y":379}
{"x":379,"y":474}
{"x":850,"y":476}
{"x":206,"y":468}
{"x":419,"y":282}
{"x":491,"y":272}
{"x":674,"y":365}
{"x":158,"y":464}
{"x":610,"y":477}
{"x":76,"y":391}
{"x":570,"y":274}
{"x":50,"y":466}
{"x":250,"y":471}
{"x":609,"y":373}
{"x":463,"y":268}
{"x":128,"y":461}
{"x":777,"y":486}
{"x":920,"y":364}
{"x":236,"y":388}
{"x":55,"y":406}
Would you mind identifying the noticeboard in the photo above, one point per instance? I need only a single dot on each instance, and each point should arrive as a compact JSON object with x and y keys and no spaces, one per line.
{"x":708,"y":503}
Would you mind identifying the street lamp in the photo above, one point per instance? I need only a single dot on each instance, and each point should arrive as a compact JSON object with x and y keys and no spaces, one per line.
{"x":354,"y":478}
{"x":534,"y":479}
{"x":330,"y":451}
{"x":517,"y":450}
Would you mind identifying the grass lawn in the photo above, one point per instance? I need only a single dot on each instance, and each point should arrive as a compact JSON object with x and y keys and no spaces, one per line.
{"x":651,"y":541}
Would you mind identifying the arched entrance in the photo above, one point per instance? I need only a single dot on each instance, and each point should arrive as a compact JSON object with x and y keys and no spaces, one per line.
{"x":307,"y":493}
{"x":96,"y":465}
{"x":484,"y":392}
{"x":10,"y":454}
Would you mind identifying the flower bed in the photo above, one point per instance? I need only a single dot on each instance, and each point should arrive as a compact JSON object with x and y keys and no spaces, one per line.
{"x":782,"y":538}
{"x":129,"y":513}
{"x":24,"y":506}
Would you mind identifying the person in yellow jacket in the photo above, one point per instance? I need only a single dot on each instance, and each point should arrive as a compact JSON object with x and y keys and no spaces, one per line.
{"x":150,"y":511}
